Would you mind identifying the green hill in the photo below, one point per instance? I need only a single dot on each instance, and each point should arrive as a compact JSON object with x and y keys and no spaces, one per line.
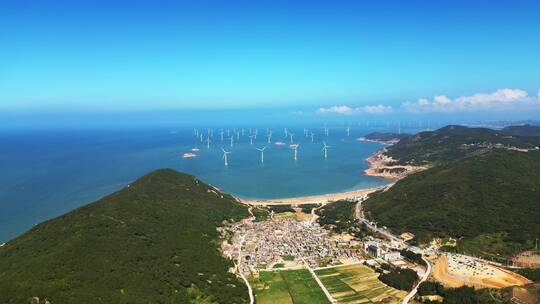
{"x":491,"y":202}
{"x":452,"y":143}
{"x":152,"y":242}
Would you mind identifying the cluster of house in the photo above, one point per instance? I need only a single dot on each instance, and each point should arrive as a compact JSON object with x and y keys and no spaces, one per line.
{"x":498,"y":146}
{"x":275,"y":244}
{"x":262,"y":245}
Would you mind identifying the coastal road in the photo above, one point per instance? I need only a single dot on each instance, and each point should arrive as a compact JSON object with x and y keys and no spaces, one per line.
{"x":423,"y":279}
{"x":360,"y":215}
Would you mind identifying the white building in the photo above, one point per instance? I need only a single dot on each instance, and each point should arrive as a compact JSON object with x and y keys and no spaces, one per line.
{"x":392,"y":256}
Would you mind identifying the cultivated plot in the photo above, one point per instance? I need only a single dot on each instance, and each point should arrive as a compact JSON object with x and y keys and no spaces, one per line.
{"x":288,"y":287}
{"x":357,"y":284}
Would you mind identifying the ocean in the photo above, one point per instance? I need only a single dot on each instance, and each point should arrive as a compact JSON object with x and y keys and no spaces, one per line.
{"x":44,"y":174}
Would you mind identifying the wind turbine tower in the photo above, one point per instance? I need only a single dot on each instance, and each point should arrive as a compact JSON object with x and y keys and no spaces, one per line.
{"x":292,"y":135}
{"x":251,"y":139}
{"x":208,"y":142}
{"x":348,"y":131}
{"x":269,"y":137}
{"x":325,"y":149}
{"x":262,"y":153}
{"x":312,"y":137}
{"x":225,"y":157}
{"x":232,"y":141}
{"x":295,"y":148}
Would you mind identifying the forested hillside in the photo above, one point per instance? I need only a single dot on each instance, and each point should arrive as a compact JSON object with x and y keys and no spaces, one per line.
{"x":491,"y":202}
{"x":152,"y":242}
{"x":453,"y":143}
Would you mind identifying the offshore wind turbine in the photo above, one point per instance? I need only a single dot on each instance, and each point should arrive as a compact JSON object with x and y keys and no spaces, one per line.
{"x":262,"y":153}
{"x":295,"y":148}
{"x":225,"y":156}
{"x":286,"y":132}
{"x":251,"y":139}
{"x":348,"y":131}
{"x":325,"y":149}
{"x":208,"y":142}
{"x":312,"y":137}
{"x":221,"y":133}
{"x":292,"y":135}
{"x":232,"y":141}
{"x":269,"y":137}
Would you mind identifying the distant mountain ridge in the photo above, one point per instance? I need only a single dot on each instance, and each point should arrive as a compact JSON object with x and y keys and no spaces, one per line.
{"x":523,"y":130}
{"x":154,"y":241}
{"x":454,"y":142}
{"x":482,"y":187}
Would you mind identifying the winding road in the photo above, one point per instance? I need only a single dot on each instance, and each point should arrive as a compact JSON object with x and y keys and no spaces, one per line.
{"x":423,"y":279}
{"x":359,"y":215}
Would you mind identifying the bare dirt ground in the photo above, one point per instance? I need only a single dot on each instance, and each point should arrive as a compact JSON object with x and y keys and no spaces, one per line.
{"x":451,"y":273}
{"x":378,"y":166}
{"x":530,"y":259}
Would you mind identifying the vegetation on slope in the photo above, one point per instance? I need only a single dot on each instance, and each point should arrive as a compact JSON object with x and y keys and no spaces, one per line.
{"x":152,"y":242}
{"x":339,"y":217}
{"x":491,"y":202}
{"x":453,"y":143}
{"x":399,"y":278}
{"x":466,"y":294}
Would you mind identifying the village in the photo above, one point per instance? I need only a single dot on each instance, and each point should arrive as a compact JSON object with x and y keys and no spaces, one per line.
{"x":285,"y":242}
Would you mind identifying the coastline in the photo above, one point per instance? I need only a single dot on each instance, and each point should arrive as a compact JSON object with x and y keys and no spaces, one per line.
{"x":379,"y":165}
{"x":313,"y":199}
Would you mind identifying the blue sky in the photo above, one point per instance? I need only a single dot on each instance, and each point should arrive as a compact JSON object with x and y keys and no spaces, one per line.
{"x":161,"y":55}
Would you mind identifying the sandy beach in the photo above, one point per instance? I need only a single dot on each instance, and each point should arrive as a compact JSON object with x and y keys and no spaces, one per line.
{"x":314,"y":199}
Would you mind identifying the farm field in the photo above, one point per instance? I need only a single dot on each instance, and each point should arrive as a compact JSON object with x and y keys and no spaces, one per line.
{"x":287,"y":287}
{"x":357,"y":284}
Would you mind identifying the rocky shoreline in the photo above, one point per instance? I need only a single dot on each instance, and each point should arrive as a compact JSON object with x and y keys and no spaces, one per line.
{"x":381,"y":165}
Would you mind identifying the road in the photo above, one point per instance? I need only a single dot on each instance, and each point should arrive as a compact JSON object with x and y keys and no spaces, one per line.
{"x":423,"y":279}
{"x":250,"y":290}
{"x":359,"y":215}
{"x":326,"y":292}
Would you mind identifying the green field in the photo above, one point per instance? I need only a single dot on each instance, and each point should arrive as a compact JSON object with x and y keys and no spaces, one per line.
{"x":357,"y":284}
{"x":287,"y":286}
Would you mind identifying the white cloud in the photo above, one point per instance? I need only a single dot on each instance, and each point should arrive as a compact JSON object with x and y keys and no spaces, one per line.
{"x":500,"y":100}
{"x":346,"y":110}
{"x":378,"y":109}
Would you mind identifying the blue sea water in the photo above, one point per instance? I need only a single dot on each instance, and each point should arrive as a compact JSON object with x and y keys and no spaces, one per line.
{"x":46,"y":173}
